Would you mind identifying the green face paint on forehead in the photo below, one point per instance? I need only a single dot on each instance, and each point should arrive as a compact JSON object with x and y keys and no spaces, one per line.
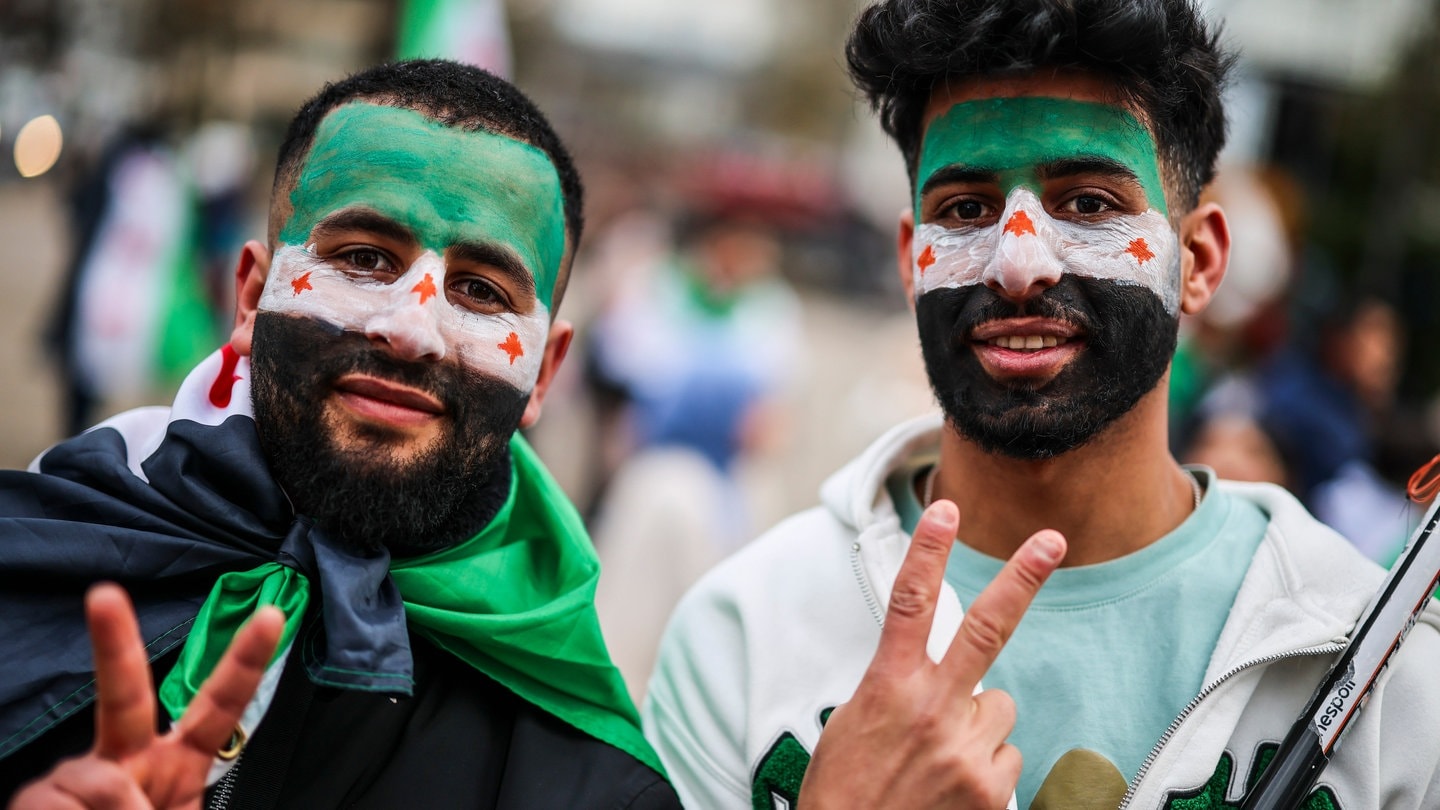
{"x":445,"y":185}
{"x":1013,"y":137}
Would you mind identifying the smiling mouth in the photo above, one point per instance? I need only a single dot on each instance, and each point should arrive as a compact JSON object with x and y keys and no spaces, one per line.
{"x":1025,"y":334}
{"x":1026,"y":343}
{"x":388,"y":395}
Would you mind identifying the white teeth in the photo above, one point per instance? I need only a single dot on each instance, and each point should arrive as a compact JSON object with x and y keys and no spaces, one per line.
{"x":1026,"y":342}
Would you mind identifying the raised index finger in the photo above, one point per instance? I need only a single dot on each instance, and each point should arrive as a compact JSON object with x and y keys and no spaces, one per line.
{"x":917,"y":587}
{"x":994,"y":614}
{"x":124,"y":703}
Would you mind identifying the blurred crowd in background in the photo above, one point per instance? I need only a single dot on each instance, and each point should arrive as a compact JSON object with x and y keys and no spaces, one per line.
{"x":741,"y":326}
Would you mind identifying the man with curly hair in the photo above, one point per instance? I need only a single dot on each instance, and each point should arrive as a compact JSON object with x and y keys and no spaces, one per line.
{"x":1056,"y":151}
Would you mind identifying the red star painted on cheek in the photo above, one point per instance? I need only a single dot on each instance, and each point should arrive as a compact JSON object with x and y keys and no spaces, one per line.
{"x":1140,"y":251}
{"x":426,"y":288}
{"x":512,"y":347}
{"x":1020,"y":224}
{"x":302,"y":283}
{"x":926,"y":258}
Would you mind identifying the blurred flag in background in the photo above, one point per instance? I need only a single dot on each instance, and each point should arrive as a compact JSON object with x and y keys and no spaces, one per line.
{"x":470,"y":31}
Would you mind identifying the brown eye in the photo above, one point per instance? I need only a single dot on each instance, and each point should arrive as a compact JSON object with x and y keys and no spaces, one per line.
{"x":478,"y":295}
{"x":968,"y":209}
{"x":366,"y":262}
{"x":367,"y":259}
{"x":1089,"y":205}
{"x":478,"y":291}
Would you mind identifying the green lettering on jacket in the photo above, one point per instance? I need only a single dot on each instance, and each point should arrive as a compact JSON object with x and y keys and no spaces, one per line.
{"x":776,"y":784}
{"x":1211,"y":795}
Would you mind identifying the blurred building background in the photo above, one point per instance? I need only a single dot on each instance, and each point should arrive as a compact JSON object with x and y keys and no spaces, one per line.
{"x":732,"y":173}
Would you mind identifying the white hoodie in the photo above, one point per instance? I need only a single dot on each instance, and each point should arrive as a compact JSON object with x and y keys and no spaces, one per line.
{"x":766,"y":643}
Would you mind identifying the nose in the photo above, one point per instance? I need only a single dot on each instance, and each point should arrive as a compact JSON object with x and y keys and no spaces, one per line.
{"x":1024,"y":265}
{"x":409,"y":329}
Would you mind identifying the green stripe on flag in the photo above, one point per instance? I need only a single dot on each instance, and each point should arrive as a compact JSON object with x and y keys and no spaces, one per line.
{"x":187,"y":331}
{"x":234,"y":599}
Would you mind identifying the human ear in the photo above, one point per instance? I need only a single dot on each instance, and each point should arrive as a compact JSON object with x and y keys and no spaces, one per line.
{"x":556,"y":347}
{"x":1204,"y":254}
{"x":250,"y":275}
{"x":904,"y":261}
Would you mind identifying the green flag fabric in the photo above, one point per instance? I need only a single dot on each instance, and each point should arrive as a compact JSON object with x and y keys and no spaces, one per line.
{"x":516,"y":601}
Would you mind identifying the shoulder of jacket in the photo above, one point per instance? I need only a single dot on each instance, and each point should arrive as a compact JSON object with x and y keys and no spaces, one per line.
{"x":1312,"y":555}
{"x":851,"y":492}
{"x":802,"y":551}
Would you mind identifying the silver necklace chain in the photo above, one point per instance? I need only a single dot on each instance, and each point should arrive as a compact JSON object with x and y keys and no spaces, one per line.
{"x":929,"y":488}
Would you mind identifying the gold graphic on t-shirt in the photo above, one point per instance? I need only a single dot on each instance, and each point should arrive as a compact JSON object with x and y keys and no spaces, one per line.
{"x":1081,"y":780}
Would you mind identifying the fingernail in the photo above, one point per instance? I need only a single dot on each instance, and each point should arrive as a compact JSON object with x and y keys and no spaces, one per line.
{"x":1050,"y":545}
{"x":945,"y":511}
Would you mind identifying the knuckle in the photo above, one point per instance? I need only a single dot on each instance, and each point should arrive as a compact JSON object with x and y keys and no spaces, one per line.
{"x":931,"y":724}
{"x":928,"y":551}
{"x":910,"y":600}
{"x":192,"y":738}
{"x":224,"y":701}
{"x":111,"y":779}
{"x":975,"y":780}
{"x":1031,"y":573}
{"x":930,"y":539}
{"x":983,"y":633}
{"x":998,"y":706}
{"x":970,"y":779}
{"x":1008,"y":763}
{"x":92,"y":775}
{"x":887,"y":696}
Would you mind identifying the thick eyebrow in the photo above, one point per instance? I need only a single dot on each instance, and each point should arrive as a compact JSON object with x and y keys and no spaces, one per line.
{"x":362,"y":219}
{"x":499,"y":258}
{"x":959,"y":174}
{"x":1063,"y":167}
{"x":1069,"y":167}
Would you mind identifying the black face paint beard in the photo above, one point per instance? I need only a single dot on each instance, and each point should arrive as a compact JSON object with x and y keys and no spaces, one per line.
{"x":363,"y":495}
{"x":1129,"y":340}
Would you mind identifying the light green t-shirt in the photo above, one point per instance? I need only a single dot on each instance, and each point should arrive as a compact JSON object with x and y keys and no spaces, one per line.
{"x":1109,"y":654}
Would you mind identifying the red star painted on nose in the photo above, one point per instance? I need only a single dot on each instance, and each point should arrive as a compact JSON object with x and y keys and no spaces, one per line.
{"x":512,"y":347}
{"x":1020,"y":224}
{"x":926,"y":258}
{"x":302,"y":283}
{"x":1140,"y":251}
{"x":426,"y":288}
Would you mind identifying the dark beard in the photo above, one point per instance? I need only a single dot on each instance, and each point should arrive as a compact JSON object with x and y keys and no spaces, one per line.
{"x":1129,"y":340}
{"x":364,"y":496}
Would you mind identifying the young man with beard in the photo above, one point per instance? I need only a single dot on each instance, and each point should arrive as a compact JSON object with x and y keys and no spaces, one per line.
{"x":1057,"y":150}
{"x":351,"y":457}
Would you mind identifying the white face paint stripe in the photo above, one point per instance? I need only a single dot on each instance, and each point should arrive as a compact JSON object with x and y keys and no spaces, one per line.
{"x":1137,"y":249}
{"x":413,"y":309}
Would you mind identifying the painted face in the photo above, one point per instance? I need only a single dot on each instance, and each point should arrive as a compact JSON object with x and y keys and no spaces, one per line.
{"x":403,"y":323}
{"x":374,"y":484}
{"x":1046,"y":272}
{"x":1105,"y":216}
{"x":445,"y":243}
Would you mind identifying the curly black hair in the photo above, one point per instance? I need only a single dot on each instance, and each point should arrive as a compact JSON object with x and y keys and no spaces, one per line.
{"x":1161,"y":54}
{"x":454,"y":94}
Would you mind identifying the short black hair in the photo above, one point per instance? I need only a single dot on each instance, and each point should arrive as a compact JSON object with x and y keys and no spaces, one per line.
{"x":1161,"y":54}
{"x":454,"y":94}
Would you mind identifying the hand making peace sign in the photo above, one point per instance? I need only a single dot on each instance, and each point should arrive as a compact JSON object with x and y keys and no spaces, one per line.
{"x":130,"y":766}
{"x":914,"y":735}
